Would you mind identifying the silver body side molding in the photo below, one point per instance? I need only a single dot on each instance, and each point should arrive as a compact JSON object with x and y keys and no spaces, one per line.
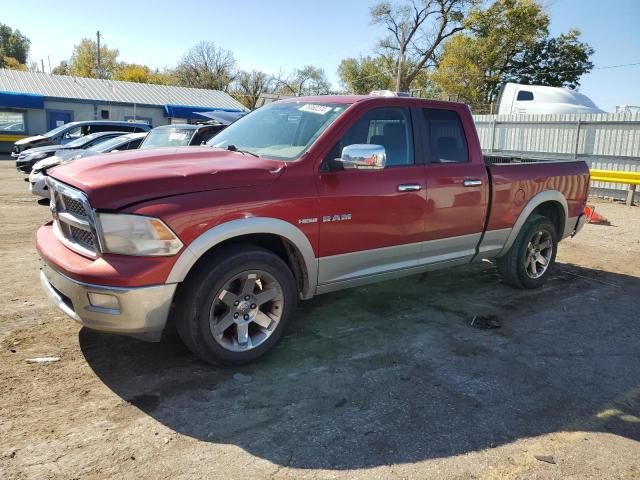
{"x":540,"y":198}
{"x":492,"y":243}
{"x":247,"y":226}
{"x":358,"y":268}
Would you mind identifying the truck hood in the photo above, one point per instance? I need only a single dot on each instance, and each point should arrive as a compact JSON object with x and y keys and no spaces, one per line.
{"x":123,"y":178}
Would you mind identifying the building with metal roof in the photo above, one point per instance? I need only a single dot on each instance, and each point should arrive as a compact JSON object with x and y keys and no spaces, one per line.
{"x":32,"y":103}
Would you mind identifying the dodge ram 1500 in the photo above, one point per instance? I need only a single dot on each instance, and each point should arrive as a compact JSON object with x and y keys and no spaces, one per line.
{"x":300,"y":197}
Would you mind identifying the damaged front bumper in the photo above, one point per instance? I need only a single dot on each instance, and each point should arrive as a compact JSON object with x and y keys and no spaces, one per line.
{"x":140,"y":312}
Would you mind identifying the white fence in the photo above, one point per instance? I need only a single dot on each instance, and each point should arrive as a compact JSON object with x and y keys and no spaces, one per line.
{"x":608,"y":141}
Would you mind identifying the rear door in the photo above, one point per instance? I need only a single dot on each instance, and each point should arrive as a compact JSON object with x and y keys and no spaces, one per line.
{"x":372,"y":221}
{"x":457,"y":187}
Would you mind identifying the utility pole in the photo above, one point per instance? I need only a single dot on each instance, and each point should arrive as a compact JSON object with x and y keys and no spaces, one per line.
{"x":98,"y":42}
{"x":42,"y":63}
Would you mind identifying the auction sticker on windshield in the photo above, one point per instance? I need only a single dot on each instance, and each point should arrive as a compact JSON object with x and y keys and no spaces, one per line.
{"x":177,"y":136}
{"x":313,"y":108}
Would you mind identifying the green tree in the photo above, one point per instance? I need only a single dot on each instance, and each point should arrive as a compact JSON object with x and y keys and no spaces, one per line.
{"x":84,"y":60}
{"x":509,"y":42}
{"x":14,"y":48}
{"x":556,"y":62}
{"x":364,"y":74}
{"x":61,"y":69}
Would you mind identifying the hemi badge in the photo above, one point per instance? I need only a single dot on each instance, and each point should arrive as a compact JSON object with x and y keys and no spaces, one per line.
{"x":308,"y":220}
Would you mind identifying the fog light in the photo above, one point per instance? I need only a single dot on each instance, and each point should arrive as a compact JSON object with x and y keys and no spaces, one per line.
{"x":103,"y":300}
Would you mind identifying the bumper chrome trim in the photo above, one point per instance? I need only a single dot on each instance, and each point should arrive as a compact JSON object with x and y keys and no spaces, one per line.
{"x":582,"y":219}
{"x":143,"y":311}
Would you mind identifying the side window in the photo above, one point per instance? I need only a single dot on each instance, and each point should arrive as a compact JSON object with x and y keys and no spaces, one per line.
{"x":524,"y":95}
{"x":73,"y":133}
{"x":445,"y":136}
{"x":102,"y":128}
{"x":133,"y":144}
{"x":389,"y":127}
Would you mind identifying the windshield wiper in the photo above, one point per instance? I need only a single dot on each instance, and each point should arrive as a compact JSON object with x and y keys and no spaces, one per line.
{"x":233,"y":148}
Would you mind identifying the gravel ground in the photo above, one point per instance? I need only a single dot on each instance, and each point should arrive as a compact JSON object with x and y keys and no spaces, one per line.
{"x":385,"y":381}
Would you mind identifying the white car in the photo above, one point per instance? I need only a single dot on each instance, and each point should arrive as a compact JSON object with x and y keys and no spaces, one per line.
{"x":38,"y":175}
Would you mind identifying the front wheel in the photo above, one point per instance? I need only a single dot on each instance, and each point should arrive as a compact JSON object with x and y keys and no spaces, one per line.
{"x":531,"y":257}
{"x":235,"y":307}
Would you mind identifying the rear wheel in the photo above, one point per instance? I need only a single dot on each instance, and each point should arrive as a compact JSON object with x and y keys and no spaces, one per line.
{"x":532,"y":255}
{"x":235,"y":307}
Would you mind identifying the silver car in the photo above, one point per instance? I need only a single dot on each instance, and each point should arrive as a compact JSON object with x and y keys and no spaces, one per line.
{"x":38,"y":175}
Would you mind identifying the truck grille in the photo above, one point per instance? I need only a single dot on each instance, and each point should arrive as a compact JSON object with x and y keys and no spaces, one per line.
{"x":74,"y":206}
{"x":83,"y":237}
{"x":74,"y":220}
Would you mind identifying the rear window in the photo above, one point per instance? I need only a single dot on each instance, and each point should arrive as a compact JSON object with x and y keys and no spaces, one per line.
{"x":445,"y":136}
{"x":524,"y":95}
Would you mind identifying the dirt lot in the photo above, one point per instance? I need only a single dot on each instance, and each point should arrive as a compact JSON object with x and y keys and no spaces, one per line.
{"x":387,"y":381}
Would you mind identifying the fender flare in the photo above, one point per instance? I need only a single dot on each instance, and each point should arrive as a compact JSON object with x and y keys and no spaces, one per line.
{"x":246,"y":226}
{"x":537,"y":200}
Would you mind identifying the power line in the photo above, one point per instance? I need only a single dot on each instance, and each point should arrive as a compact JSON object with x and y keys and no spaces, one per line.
{"x":378,"y":74}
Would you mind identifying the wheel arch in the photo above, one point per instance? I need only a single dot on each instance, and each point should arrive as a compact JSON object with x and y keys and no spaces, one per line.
{"x":283,"y":238}
{"x":550,"y":203}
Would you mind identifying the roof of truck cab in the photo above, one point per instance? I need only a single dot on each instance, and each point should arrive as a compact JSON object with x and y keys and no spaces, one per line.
{"x":349,"y":99}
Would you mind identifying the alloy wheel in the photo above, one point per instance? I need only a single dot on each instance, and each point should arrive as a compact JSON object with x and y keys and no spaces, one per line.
{"x":246,"y":310}
{"x":538,"y":255}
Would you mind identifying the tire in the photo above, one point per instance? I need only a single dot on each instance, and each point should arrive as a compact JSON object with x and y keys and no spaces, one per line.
{"x":518,"y":265}
{"x":216,"y":322}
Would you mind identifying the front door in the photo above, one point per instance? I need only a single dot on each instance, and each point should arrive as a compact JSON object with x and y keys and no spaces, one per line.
{"x":372,"y":221}
{"x":57,"y":118}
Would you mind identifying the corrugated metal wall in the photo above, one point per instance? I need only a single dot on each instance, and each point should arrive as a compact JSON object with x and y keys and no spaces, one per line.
{"x":607,"y":141}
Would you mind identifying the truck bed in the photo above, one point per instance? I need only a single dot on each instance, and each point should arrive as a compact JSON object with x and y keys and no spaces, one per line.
{"x":516,"y":180}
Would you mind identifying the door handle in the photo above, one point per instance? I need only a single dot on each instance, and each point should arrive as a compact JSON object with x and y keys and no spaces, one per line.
{"x":409,"y":187}
{"x":472,"y":183}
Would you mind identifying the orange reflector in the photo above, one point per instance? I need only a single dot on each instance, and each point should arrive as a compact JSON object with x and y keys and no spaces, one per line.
{"x":161,"y":230}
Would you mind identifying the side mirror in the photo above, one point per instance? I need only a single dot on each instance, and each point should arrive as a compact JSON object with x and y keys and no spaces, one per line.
{"x":363,"y":157}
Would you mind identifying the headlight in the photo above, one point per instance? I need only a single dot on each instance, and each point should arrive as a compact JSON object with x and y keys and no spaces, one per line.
{"x":45,"y":164}
{"x":136,"y":235}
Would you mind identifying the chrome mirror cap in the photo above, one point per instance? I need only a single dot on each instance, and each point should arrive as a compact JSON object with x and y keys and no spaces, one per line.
{"x":363,"y":156}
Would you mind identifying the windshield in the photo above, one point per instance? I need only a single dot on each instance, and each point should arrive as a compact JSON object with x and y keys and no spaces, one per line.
{"x":79,"y":142}
{"x":107,"y":145}
{"x":280,"y":130}
{"x":57,"y":130}
{"x":168,"y":137}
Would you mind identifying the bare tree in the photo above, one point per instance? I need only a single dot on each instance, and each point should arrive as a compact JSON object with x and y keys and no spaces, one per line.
{"x":308,"y":80}
{"x":250,"y":85}
{"x":207,"y":66}
{"x":416,"y":31}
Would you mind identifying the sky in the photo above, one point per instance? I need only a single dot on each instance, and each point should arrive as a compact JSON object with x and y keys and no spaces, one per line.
{"x":287,"y":34}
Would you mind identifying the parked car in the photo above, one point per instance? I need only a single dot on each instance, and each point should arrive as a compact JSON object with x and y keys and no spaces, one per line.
{"x":71,"y":131}
{"x":27,"y":159}
{"x":38,"y":175}
{"x":516,"y":99}
{"x":301,"y":197}
{"x":180,"y":135}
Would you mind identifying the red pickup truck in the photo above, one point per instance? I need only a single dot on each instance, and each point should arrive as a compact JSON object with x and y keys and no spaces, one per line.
{"x":301,"y":197}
